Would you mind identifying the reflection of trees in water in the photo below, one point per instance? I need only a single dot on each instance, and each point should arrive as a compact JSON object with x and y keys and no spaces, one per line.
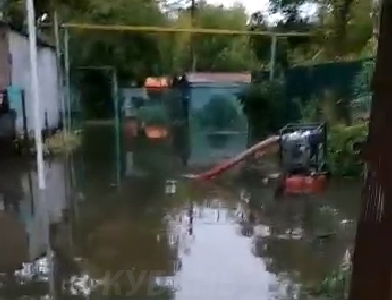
{"x":300,"y":257}
{"x":308,"y":216}
{"x":13,"y":245}
{"x":122,"y":232}
{"x":283,"y":216}
{"x":206,"y":191}
{"x":345,"y":196}
{"x":308,"y":259}
{"x":153,"y":156}
{"x":11,"y":189}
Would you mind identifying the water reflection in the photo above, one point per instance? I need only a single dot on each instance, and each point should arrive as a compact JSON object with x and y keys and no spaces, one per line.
{"x":25,"y":221}
{"x":164,"y":237}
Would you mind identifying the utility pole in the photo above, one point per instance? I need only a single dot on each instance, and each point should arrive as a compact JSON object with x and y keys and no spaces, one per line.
{"x":35,"y":93}
{"x":192,"y":52}
{"x":59,"y":71}
{"x":67,"y":79}
{"x":36,"y":101}
{"x":371,"y":275}
{"x":274,"y":42}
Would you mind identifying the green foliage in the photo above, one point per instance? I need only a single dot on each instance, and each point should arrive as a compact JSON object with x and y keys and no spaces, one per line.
{"x":98,"y":102}
{"x":360,"y":106}
{"x":261,"y":45}
{"x":319,"y":108}
{"x":341,"y":31}
{"x":224,"y":53}
{"x":265,"y":106}
{"x":343,"y":160}
{"x":218,"y":114}
{"x":363,"y":80}
{"x":334,"y":285}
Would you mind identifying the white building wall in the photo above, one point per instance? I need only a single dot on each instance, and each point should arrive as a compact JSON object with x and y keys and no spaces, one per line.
{"x":21,"y":78}
{"x":37,"y":225}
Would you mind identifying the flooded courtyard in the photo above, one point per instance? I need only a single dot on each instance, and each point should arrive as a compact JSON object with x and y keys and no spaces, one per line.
{"x":159,"y":235}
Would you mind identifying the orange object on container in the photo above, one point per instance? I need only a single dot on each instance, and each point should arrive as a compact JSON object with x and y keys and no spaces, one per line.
{"x":156,"y":83}
{"x":298,"y":184}
{"x":156,"y":132}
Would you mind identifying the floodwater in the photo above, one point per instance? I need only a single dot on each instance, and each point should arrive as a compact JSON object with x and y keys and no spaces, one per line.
{"x":157,"y":235}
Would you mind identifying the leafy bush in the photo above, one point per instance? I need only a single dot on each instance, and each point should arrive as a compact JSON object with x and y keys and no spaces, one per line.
{"x":343,"y":160}
{"x":319,"y":109}
{"x":362,"y":81}
{"x":266,"y":107}
{"x":332,"y":286}
{"x":362,"y":89}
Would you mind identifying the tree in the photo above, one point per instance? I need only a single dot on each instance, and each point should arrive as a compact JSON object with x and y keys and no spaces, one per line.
{"x":341,"y":29}
{"x":214,"y":52}
{"x":266,"y":108}
{"x":286,"y":46}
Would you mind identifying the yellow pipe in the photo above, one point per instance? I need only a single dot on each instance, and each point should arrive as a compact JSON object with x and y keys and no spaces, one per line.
{"x":85,"y":26}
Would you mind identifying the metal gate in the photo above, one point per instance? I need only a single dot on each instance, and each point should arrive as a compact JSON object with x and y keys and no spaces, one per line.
{"x":218,"y":127}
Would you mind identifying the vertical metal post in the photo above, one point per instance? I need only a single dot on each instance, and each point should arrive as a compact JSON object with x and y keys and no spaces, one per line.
{"x":192,"y":45}
{"x":116,"y":126}
{"x":67,"y":121}
{"x":26,"y":137}
{"x":35,"y":93}
{"x":67,"y":78}
{"x":59,"y":73}
{"x":32,"y":26}
{"x":274,"y":42}
{"x":190,"y":231}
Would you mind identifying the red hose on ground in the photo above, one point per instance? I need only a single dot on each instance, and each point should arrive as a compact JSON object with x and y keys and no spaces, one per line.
{"x":219,"y":169}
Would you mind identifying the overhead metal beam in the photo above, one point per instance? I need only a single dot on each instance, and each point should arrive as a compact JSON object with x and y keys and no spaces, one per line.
{"x":98,"y":27}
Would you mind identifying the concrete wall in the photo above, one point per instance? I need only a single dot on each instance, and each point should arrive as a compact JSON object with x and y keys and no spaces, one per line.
{"x":21,"y":78}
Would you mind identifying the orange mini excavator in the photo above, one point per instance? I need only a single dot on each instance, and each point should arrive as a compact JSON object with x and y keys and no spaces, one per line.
{"x":302,"y":152}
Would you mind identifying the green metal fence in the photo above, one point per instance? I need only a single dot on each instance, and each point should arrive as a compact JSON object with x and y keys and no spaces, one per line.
{"x":349,"y":80}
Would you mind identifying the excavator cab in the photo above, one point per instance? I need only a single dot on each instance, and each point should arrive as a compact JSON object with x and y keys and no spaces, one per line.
{"x":303,"y":158}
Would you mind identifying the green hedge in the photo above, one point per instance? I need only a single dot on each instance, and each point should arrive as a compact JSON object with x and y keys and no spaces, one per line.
{"x":343,"y":160}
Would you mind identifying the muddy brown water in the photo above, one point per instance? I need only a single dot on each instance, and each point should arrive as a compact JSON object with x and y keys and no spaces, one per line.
{"x":134,"y":239}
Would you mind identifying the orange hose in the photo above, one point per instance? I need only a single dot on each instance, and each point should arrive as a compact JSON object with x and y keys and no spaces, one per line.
{"x":263,"y":146}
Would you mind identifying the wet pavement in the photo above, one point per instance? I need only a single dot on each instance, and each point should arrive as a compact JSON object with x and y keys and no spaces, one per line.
{"x":160,"y":236}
